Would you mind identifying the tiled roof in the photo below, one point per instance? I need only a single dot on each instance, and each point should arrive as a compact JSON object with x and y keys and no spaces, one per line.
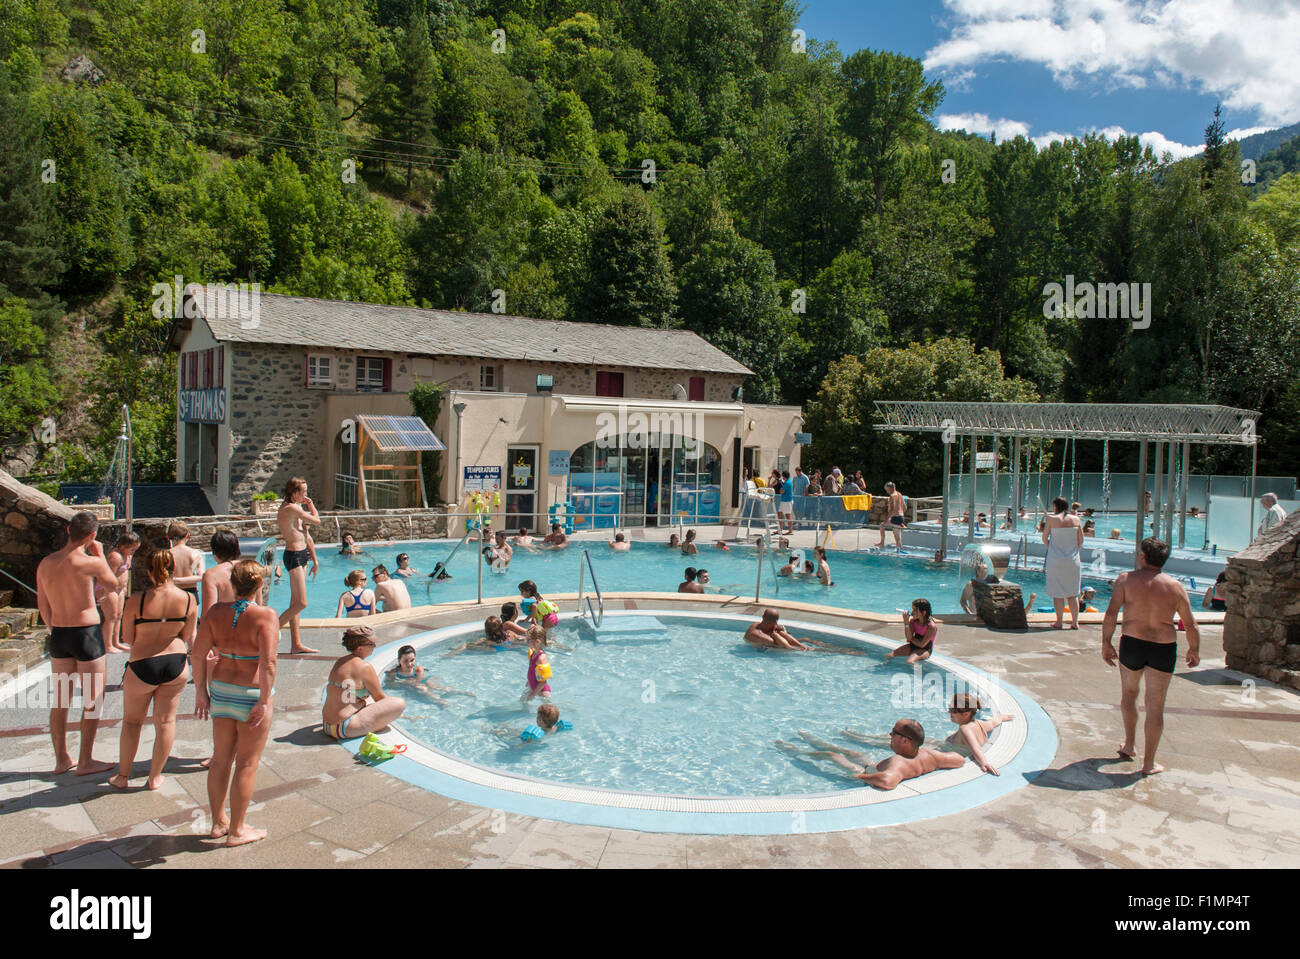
{"x":303,"y":321}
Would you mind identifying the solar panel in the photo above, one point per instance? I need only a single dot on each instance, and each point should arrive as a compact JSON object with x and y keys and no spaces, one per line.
{"x":400,"y":434}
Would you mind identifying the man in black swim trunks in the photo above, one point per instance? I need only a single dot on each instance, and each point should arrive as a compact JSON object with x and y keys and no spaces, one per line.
{"x":65,"y":596}
{"x":1148,"y":646}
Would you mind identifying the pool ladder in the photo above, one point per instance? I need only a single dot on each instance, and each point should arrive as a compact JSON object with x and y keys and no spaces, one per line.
{"x":596,"y":612}
{"x":1022,"y":551}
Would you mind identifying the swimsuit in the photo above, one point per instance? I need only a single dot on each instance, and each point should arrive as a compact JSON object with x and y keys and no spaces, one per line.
{"x":82,"y":643}
{"x":898,"y":521}
{"x":911,"y":640}
{"x":1136,"y":654}
{"x":1220,"y":605}
{"x":163,"y":668}
{"x":293,"y":558}
{"x":358,"y":604}
{"x":230,"y":701}
{"x":532,"y":673}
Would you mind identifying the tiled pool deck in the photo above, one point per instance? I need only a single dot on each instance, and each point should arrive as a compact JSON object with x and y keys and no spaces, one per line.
{"x":1231,"y":797}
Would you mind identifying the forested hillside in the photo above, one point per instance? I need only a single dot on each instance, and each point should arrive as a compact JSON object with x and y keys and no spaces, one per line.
{"x":666,"y":163}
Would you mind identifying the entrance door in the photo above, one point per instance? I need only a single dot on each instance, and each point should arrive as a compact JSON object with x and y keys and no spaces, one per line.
{"x":521,"y":487}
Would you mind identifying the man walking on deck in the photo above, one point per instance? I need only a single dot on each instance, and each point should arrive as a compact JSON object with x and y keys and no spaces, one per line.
{"x":897,"y":511}
{"x":65,"y":596}
{"x":1148,"y":647}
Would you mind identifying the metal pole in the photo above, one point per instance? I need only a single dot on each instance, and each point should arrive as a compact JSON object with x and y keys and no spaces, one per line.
{"x":1171,"y":491}
{"x":1141,"y":514}
{"x":758,"y":585}
{"x":1254,"y":454}
{"x":943,"y":519}
{"x":1157,"y":487}
{"x":1015,"y":485}
{"x":480,"y":561}
{"x":970,"y":524}
{"x":993,"y":493}
{"x":1182,"y":494}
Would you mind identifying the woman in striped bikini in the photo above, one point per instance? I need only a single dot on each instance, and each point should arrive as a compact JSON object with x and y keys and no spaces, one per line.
{"x":352,"y":680}
{"x":238,"y":697}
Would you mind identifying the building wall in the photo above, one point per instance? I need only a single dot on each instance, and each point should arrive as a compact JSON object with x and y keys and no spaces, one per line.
{"x":277,"y":428}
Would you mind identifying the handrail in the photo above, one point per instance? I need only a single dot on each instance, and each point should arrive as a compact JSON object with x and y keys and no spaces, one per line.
{"x":447,"y":562}
{"x":30,"y":589}
{"x":597,"y":613}
{"x":1022,"y":551}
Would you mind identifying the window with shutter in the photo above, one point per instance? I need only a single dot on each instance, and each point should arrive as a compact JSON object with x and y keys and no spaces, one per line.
{"x":609,"y":384}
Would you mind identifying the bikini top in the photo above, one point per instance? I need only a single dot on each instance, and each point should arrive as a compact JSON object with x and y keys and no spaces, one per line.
{"x":239,"y":606}
{"x":359,"y":691}
{"x":189,"y":600}
{"x":358,"y":604}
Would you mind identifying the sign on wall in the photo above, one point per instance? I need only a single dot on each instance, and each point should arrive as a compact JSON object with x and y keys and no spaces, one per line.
{"x":201,"y":406}
{"x":985,"y":461}
{"x":558,"y":464}
{"x":482,"y":479}
{"x":803,"y":439}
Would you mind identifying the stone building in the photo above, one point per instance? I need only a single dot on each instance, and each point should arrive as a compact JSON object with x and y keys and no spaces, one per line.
{"x":632,"y":425}
{"x":1261,"y":631}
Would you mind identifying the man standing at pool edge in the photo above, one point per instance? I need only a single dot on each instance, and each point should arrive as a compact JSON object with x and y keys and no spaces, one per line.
{"x":1148,"y":647}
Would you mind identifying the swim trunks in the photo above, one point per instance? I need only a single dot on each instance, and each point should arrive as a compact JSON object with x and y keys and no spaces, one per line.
{"x":898,"y":521}
{"x":293,"y":558}
{"x":1137,"y":654}
{"x":82,"y":643}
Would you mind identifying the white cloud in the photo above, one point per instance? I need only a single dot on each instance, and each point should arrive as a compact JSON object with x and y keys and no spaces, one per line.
{"x":1157,"y":141}
{"x":981,"y":123}
{"x":1244,"y":51}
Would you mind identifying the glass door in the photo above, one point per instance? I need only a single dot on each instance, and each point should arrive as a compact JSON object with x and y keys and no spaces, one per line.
{"x":521,"y":487}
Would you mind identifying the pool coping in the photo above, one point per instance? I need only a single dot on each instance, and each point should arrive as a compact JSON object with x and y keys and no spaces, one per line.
{"x":962,"y":619}
{"x":1021,"y":751}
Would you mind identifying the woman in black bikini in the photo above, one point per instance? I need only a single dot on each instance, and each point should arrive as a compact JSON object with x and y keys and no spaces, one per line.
{"x":159,"y":626}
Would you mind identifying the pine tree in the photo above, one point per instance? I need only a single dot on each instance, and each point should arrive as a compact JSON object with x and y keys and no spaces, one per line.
{"x":404,"y":103}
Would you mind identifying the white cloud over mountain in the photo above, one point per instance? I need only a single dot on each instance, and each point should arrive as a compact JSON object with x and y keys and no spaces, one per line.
{"x":1244,"y":51}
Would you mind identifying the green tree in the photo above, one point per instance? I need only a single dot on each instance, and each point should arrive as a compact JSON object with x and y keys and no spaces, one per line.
{"x":26,"y":394}
{"x":729,"y":297}
{"x":629,"y":281}
{"x":889,"y":104}
{"x":841,"y":418}
{"x":402,"y":103}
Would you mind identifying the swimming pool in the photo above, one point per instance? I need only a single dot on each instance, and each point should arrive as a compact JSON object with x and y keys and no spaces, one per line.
{"x":877,"y":582}
{"x":676,"y":723}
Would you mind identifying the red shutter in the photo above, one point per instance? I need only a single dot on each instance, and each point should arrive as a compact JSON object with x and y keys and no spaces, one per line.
{"x":609,"y":384}
{"x":306,"y":364}
{"x":221,"y":366}
{"x":697,"y":388}
{"x":388,"y":376}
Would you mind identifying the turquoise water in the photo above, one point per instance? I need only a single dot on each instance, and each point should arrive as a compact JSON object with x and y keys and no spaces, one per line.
{"x":694,"y":711}
{"x":877,"y":582}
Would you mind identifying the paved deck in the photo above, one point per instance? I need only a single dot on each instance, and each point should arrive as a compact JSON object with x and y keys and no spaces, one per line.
{"x":1231,"y":797}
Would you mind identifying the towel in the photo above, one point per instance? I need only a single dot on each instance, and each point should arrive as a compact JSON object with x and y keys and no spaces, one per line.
{"x":860,"y":502}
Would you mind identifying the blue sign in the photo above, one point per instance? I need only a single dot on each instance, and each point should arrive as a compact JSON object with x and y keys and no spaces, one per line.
{"x":201,"y":406}
{"x":803,"y":439}
{"x":482,"y":479}
{"x":559,"y":463}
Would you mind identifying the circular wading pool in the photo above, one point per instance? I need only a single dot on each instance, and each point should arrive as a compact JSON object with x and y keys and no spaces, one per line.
{"x":678,"y":726}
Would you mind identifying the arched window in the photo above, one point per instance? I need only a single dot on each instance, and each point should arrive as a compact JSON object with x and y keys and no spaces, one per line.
{"x":657,"y":479}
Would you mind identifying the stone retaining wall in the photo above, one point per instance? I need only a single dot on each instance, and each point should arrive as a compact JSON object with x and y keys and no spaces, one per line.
{"x":32,"y":525}
{"x":1261,"y":631}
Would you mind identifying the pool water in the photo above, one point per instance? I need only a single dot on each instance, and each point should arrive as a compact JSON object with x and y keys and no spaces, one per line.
{"x":877,"y":582}
{"x":691,"y":711}
{"x":1126,"y":523}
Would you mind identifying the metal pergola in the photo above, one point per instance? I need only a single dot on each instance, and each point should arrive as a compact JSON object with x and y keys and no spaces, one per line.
{"x":1173,"y":426}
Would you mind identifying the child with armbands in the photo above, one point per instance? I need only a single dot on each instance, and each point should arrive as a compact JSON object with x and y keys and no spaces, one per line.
{"x":494,"y":639}
{"x":539,"y":665}
{"x":548,"y":721}
{"x":541,"y":611}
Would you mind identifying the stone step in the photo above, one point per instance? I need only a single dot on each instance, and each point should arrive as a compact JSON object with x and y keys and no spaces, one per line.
{"x":15,"y":621}
{"x":22,"y":652}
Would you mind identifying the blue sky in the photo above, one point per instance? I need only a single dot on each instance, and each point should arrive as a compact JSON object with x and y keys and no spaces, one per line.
{"x":1055,"y":68}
